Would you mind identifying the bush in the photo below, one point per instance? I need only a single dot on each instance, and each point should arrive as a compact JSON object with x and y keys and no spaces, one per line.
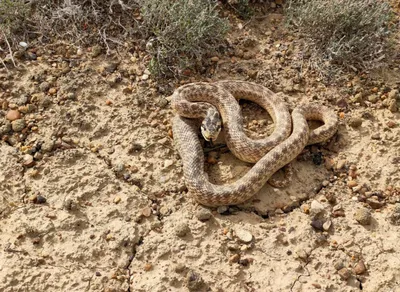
{"x":180,"y":32}
{"x":349,"y":33}
{"x":12,"y":15}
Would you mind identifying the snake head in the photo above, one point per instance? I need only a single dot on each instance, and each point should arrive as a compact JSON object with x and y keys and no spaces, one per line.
{"x":211,"y":125}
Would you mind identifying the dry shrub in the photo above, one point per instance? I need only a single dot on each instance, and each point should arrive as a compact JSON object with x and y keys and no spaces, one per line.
{"x":181,"y":32}
{"x":342,"y":33}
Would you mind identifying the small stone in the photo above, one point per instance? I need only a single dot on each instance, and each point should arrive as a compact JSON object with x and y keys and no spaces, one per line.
{"x":327,"y":225}
{"x":96,"y":51}
{"x":179,"y":268}
{"x":340,"y":164}
{"x":393,"y":106}
{"x":305,"y":208}
{"x":318,"y":224}
{"x":147,"y":267}
{"x":352,"y":183}
{"x":117,"y":199}
{"x":363,"y":216}
{"x":13,"y":115}
{"x":355,"y":122}
{"x":44,"y":86}
{"x":47,"y":145}
{"x":28,"y":160}
{"x":325,"y":183}
{"x":146,"y":212}
{"x":222,"y":209}
{"x":316,"y":207}
{"x":168,"y":163}
{"x":243,"y":235}
{"x":164,"y":211}
{"x":98,"y":274}
{"x":214,"y":59}
{"x":316,"y":285}
{"x":338,"y":265}
{"x":344,"y":273}
{"x":18,"y":125}
{"x":181,"y":229}
{"x":373,"y":98}
{"x":360,"y":268}
{"x":145,"y":77}
{"x":33,"y":198}
{"x":194,"y":281}
{"x":374,"y":203}
{"x":393,"y":94}
{"x":235,"y":258}
{"x":40,"y":199}
{"x":376,"y":136}
{"x":395,"y":216}
{"x":52,"y":91}
{"x":203,"y":214}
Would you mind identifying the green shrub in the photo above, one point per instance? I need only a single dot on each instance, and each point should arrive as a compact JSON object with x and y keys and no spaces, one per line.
{"x":349,"y":33}
{"x":180,"y":32}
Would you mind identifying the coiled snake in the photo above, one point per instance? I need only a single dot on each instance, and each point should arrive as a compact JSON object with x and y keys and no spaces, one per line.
{"x":290,"y":136}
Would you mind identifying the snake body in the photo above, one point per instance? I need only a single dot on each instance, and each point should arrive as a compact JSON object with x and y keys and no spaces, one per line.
{"x":290,"y":136}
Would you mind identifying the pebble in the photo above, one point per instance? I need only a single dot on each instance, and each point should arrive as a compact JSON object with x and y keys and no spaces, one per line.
{"x":28,"y":160}
{"x":117,"y":199}
{"x":179,"y":268}
{"x":222,"y":209}
{"x":340,"y":164}
{"x":181,"y":229}
{"x":147,"y":267}
{"x":168,"y":163}
{"x":96,"y":51}
{"x":145,"y":77}
{"x":325,"y":183}
{"x":214,"y":59}
{"x":18,"y":125}
{"x":203,"y":214}
{"x":44,"y":86}
{"x":355,"y":122}
{"x":344,"y":273}
{"x":235,"y":258}
{"x":363,"y":216}
{"x":327,"y":225}
{"x":374,"y":203}
{"x":395,"y":216}
{"x":243,"y":235}
{"x":338,"y":265}
{"x":13,"y":115}
{"x":194,"y":281}
{"x":352,"y":183}
{"x":316,"y":207}
{"x":360,"y":268}
{"x":393,"y":106}
{"x":40,"y":199}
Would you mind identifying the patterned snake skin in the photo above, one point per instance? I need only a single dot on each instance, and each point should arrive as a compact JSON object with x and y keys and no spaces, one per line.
{"x":269,"y":154}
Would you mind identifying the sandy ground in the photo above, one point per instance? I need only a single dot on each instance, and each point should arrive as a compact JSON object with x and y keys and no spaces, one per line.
{"x":93,"y":198}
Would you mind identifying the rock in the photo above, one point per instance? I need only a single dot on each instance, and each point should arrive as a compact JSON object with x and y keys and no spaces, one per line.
{"x":363,"y":216}
{"x":338,"y":265}
{"x":203,"y":214}
{"x":376,"y":136}
{"x":395,"y":216}
{"x":13,"y":115}
{"x":222,"y":209}
{"x":355,"y":122}
{"x":373,"y":98}
{"x":214,"y":59}
{"x":374,"y":203}
{"x":235,"y":258}
{"x":40,"y":199}
{"x":18,"y":125}
{"x":96,"y":51}
{"x":344,"y":273}
{"x":28,"y":160}
{"x":327,"y":225}
{"x":168,"y":163}
{"x":44,"y":86}
{"x":393,"y":94}
{"x":243,"y":235}
{"x":316,"y":207}
{"x":179,"y":268}
{"x":145,"y":77}
{"x":352,"y":183}
{"x":194,"y":281}
{"x":393,"y":106}
{"x":340,"y":164}
{"x":146,"y":212}
{"x":117,"y":199}
{"x":47,"y":145}
{"x":318,"y":224}
{"x":181,"y":229}
{"x":360,"y":268}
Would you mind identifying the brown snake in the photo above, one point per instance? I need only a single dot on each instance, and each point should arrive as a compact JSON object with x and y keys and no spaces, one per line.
{"x":269,"y":154}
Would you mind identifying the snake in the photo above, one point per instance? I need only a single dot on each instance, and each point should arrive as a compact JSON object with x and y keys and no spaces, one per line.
{"x":216,"y":104}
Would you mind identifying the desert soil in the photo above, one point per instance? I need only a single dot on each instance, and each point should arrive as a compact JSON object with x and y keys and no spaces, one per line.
{"x":92,"y":192}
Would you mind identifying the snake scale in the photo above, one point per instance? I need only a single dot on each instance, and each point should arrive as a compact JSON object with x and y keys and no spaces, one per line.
{"x":291,"y":134}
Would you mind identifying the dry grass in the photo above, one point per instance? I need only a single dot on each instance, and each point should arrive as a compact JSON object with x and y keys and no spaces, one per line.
{"x":180,"y":33}
{"x":342,"y":33}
